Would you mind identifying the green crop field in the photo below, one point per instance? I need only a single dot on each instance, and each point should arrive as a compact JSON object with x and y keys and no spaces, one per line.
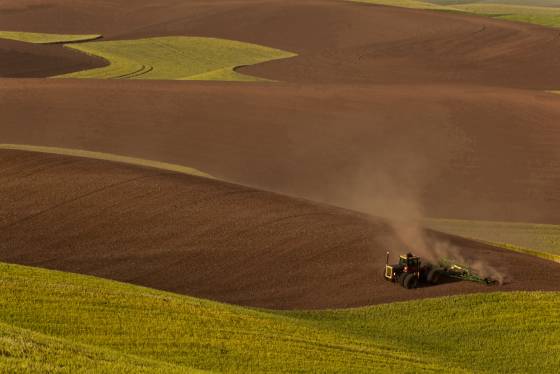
{"x":535,"y":239}
{"x":543,"y":12}
{"x":69,"y":319}
{"x":538,"y":3}
{"x":176,"y":57}
{"x":42,"y":38}
{"x":544,"y":16}
{"x":25,"y":351}
{"x":107,"y":157}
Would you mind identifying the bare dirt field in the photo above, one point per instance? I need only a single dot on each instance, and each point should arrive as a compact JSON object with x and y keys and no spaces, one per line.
{"x":213,"y":239}
{"x":459,"y":152}
{"x":393,"y":112}
{"x":338,"y":41}
{"x":18,"y":59}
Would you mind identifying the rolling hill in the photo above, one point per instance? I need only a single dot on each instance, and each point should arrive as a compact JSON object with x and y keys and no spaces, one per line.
{"x":221,"y":241}
{"x":72,"y":322}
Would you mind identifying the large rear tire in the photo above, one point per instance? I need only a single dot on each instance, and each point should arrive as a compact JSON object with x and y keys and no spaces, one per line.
{"x":434,"y":276}
{"x":410,"y":281}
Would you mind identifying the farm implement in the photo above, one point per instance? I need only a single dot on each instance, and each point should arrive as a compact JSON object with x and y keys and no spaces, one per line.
{"x":410,"y":272}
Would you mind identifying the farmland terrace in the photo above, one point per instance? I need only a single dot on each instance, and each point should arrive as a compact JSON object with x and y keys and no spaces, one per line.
{"x":217,"y":240}
{"x":388,"y":112}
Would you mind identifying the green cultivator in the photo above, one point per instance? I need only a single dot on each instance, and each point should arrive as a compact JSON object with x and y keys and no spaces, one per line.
{"x":463,"y":272}
{"x":410,"y":272}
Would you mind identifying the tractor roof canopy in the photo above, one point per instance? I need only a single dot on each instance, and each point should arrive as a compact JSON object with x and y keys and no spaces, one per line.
{"x":408,"y":259}
{"x":408,"y":256}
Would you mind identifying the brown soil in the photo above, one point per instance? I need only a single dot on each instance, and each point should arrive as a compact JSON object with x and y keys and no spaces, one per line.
{"x":393,"y":112}
{"x":338,"y":41}
{"x":18,"y":59}
{"x":213,"y":239}
{"x":401,"y":151}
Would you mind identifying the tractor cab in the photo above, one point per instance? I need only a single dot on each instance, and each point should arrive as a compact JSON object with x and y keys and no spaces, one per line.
{"x":408,"y":263}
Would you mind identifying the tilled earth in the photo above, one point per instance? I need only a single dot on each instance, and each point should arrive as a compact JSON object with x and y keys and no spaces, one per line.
{"x":216,"y":240}
{"x":390,"y":112}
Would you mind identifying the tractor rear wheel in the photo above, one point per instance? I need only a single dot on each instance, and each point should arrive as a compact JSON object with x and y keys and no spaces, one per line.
{"x":410,"y":281}
{"x":434,"y":276}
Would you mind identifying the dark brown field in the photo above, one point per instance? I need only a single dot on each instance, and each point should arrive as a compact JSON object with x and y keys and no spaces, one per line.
{"x":390,"y":112}
{"x":213,"y":239}
{"x":18,"y":59}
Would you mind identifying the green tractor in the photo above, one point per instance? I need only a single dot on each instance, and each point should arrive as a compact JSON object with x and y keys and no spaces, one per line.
{"x":410,"y":272}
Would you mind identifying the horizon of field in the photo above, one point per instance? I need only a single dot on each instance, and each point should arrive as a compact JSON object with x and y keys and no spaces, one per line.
{"x":516,"y":11}
{"x":170,"y":329}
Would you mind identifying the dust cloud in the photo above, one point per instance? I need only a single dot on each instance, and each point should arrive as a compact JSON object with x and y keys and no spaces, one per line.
{"x":397,"y":198}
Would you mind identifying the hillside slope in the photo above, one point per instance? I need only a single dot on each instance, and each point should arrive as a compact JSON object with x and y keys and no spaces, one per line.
{"x":134,"y":325}
{"x":25,"y":351}
{"x":440,"y":114}
{"x":337,"y":41}
{"x":439,"y":151}
{"x":221,"y":241}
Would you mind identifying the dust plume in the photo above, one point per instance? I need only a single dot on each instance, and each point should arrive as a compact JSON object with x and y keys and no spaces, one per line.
{"x":397,"y":199}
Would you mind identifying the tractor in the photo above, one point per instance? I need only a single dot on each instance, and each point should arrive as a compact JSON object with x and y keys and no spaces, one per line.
{"x":411,"y":271}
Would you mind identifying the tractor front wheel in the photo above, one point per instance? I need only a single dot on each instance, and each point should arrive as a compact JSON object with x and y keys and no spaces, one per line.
{"x":410,"y":281}
{"x":401,"y":278}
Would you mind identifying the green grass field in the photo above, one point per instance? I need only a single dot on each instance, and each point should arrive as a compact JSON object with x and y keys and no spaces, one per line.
{"x":42,"y":38}
{"x":25,"y":351}
{"x":535,"y":239}
{"x":176,"y":57}
{"x":544,"y":16}
{"x":539,"y":3}
{"x":69,"y":321}
{"x":107,"y":157}
{"x":539,"y":12}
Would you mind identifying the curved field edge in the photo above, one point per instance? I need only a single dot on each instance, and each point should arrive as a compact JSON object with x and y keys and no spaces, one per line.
{"x":540,"y":240}
{"x":540,"y":3}
{"x":175,"y":58}
{"x":413,"y":4}
{"x":528,"y":13}
{"x":107,"y":157}
{"x":24,"y":351}
{"x":453,"y":334}
{"x":45,"y":38}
